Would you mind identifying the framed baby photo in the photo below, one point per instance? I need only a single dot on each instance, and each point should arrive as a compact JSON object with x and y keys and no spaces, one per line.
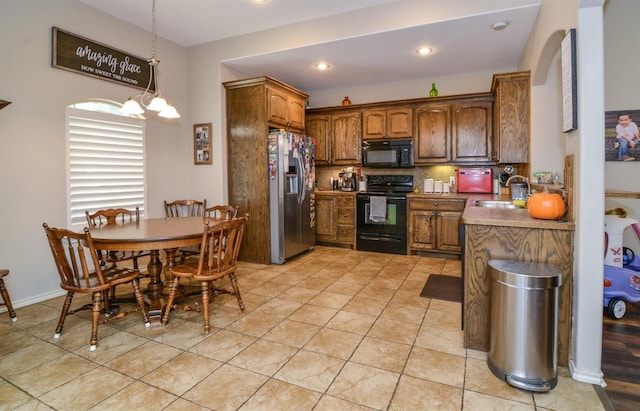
{"x":621,"y":138}
{"x":202,"y":144}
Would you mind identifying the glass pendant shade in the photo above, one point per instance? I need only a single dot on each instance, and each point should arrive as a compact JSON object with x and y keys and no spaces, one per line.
{"x":157,"y":104}
{"x":169,"y":112}
{"x":132,"y":107}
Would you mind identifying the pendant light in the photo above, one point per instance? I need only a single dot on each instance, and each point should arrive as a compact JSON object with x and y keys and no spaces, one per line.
{"x":151,"y":100}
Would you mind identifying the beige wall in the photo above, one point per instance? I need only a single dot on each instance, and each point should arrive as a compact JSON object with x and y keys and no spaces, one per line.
{"x":33,"y":135}
{"x":622,"y":91}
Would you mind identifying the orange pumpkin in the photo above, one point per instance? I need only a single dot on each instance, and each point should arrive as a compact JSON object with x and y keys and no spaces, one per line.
{"x":546,"y":206}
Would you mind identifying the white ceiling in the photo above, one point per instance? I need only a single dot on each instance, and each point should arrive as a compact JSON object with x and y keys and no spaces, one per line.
{"x":464,"y":44}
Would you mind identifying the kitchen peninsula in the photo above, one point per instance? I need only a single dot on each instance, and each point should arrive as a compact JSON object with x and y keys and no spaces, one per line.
{"x":492,"y":233}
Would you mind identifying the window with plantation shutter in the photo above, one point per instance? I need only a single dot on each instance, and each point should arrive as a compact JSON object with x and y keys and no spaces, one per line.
{"x":106,"y":162}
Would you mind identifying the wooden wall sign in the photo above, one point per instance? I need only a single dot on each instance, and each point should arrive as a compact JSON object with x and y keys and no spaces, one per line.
{"x":81,"y":55}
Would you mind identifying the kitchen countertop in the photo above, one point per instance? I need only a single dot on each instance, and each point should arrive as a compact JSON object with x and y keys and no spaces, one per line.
{"x":498,"y":216}
{"x":486,"y":216}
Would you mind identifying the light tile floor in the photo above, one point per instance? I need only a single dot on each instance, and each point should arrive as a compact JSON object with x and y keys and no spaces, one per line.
{"x":332,"y":330}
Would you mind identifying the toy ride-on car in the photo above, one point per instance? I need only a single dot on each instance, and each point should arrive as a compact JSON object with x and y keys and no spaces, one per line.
{"x":621,"y":267}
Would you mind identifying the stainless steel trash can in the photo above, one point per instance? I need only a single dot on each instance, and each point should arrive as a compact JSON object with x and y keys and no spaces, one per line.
{"x":524,"y":323}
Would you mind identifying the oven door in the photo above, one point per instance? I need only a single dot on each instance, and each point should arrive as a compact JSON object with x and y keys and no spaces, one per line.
{"x":388,"y":236}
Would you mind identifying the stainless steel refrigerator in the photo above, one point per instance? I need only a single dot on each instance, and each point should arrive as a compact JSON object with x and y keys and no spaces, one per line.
{"x":291,"y":197}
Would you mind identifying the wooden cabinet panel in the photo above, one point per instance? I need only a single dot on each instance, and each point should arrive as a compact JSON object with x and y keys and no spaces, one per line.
{"x":391,"y":123}
{"x":347,"y":138}
{"x":472,"y":124}
{"x":432,"y":134}
{"x":326,"y":225}
{"x":335,"y":218}
{"x":449,"y":231}
{"x":434,"y":225}
{"x":285,"y":108}
{"x":422,"y":234}
{"x":296,"y":112}
{"x":374,"y":124}
{"x":318,"y":126}
{"x":400,"y":122}
{"x":277,"y":106}
{"x":511,"y":117}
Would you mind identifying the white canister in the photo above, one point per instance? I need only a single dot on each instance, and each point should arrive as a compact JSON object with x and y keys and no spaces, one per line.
{"x":428,"y":185}
{"x":362,"y":186}
{"x":446,"y":187}
{"x":437,"y":186}
{"x":496,"y":186}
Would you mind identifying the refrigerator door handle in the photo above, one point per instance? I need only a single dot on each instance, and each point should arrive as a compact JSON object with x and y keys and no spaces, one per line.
{"x":301,"y":183}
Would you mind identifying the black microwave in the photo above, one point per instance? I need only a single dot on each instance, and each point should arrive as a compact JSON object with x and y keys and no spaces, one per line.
{"x":387,"y":153}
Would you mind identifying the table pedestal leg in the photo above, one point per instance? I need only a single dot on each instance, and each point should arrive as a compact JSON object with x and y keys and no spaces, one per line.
{"x":154,"y":288}
{"x":154,"y":268}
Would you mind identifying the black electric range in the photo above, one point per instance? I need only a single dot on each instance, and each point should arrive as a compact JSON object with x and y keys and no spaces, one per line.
{"x":381,"y":214}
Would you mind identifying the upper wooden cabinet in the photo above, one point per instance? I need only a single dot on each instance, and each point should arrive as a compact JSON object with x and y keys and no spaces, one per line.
{"x":511,"y":120}
{"x":347,"y":138}
{"x":285,"y":106}
{"x":252,"y":107}
{"x":454,"y":130}
{"x":432,"y":134}
{"x":318,"y":126}
{"x":390,"y":123}
{"x":472,"y":124}
{"x":475,"y":128}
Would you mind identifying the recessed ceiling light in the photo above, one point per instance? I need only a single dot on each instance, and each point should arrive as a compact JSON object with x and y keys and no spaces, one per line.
{"x":423,"y":51}
{"x":322,"y":66}
{"x":500,"y":25}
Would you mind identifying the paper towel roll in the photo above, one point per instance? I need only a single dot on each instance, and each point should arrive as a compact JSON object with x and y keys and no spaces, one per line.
{"x":428,"y":185}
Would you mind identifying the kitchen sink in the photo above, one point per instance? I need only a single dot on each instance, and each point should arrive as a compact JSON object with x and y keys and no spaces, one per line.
{"x":494,"y":204}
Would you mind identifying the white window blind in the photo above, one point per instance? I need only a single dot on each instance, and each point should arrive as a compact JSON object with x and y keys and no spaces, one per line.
{"x":106,"y":163}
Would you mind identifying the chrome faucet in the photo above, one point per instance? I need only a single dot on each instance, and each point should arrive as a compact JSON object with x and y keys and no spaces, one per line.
{"x":525,"y":179}
{"x":515,"y":195}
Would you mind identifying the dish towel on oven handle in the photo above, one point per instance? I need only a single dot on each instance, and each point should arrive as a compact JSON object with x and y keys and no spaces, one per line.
{"x":378,"y":208}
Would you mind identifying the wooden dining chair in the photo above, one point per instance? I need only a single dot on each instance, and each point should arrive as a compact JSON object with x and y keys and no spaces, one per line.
{"x":116,"y":216}
{"x":5,"y":295}
{"x":186,"y":208}
{"x":80,"y":271}
{"x":211,"y":265}
{"x":219,"y":212}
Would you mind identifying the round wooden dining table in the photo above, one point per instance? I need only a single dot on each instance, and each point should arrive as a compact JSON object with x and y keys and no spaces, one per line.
{"x":153,"y":235}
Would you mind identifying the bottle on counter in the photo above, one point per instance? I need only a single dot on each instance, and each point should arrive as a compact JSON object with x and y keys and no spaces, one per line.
{"x":434,"y":91}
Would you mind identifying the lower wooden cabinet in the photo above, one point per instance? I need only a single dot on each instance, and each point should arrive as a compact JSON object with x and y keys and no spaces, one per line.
{"x":336,"y":218}
{"x":434,"y":225}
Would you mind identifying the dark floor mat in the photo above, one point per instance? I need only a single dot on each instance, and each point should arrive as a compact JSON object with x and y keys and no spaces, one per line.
{"x":443,"y":287}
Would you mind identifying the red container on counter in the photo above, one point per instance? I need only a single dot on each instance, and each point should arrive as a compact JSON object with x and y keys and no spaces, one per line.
{"x":475,"y":180}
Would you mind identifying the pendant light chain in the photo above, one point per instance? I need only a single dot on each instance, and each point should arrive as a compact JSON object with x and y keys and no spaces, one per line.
{"x":157,"y":102}
{"x":153,"y":30}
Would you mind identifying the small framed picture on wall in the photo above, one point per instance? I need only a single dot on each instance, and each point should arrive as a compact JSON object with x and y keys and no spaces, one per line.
{"x":202,"y":144}
{"x":621,"y":138}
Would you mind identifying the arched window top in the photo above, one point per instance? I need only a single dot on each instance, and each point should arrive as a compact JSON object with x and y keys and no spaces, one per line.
{"x":104,"y":106}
